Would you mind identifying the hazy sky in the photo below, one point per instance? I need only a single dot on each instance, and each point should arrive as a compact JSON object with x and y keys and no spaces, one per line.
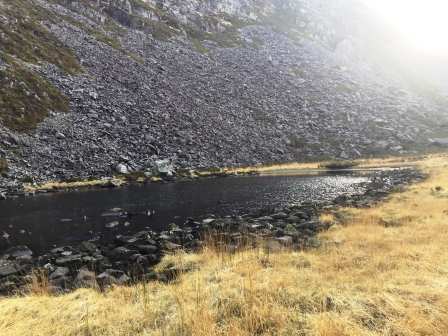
{"x":424,"y":23}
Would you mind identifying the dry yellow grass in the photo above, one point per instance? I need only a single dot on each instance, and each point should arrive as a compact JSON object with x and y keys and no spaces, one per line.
{"x":383,"y":272}
{"x":54,"y":185}
{"x":361,"y":164}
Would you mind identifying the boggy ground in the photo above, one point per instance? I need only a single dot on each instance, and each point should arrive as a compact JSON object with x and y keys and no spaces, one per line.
{"x":378,"y":271}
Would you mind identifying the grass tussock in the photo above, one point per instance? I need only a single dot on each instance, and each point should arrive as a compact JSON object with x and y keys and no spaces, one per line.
{"x":367,"y":278}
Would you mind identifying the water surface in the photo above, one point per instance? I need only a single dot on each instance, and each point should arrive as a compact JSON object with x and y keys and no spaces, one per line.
{"x":44,"y":220}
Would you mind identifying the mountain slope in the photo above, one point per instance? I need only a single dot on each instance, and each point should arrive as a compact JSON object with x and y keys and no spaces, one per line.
{"x":204,"y":83}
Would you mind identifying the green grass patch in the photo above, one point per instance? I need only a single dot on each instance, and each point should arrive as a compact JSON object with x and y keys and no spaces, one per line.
{"x":26,"y":98}
{"x":24,"y":37}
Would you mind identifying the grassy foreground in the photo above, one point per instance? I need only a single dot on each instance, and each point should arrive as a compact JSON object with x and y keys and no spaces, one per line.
{"x":379,"y":271}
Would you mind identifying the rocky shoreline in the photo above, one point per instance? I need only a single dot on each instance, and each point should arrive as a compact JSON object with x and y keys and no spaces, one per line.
{"x":123,"y":177}
{"x":128,"y":258}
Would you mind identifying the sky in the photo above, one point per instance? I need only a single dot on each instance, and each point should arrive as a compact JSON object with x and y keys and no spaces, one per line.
{"x":422,"y":23}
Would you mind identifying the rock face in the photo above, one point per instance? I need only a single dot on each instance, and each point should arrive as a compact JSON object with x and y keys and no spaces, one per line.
{"x":207,"y":84}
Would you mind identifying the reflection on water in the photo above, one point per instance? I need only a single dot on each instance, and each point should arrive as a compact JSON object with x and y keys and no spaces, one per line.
{"x":44,"y":220}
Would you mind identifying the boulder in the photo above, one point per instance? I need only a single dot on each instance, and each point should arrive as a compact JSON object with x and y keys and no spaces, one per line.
{"x":7,"y":269}
{"x":164,"y":168}
{"x":112,"y":225}
{"x":19,"y":252}
{"x":121,"y":253}
{"x":441,"y":142}
{"x":121,"y":168}
{"x":59,"y":272}
{"x":88,"y":247}
{"x":148,"y":249}
{"x":69,"y":260}
{"x":85,"y":278}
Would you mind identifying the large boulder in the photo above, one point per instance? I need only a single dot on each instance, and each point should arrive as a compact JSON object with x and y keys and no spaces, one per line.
{"x":19,"y":252}
{"x":86,"y":278}
{"x":121,"y":168}
{"x":441,"y":142}
{"x":164,"y":167}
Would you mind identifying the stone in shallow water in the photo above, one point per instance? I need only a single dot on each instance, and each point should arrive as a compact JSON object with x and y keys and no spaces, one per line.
{"x":112,"y":225}
{"x":67,"y":260}
{"x":121,"y":252}
{"x":88,"y":247}
{"x":19,"y":251}
{"x":148,"y":248}
{"x":8,"y":269}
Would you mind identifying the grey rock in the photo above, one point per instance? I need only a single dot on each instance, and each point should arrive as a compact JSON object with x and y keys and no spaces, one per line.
{"x":69,"y":260}
{"x":59,"y":272}
{"x":285,"y":240}
{"x":86,"y":278}
{"x":164,"y":168}
{"x":19,"y":251}
{"x":112,"y":225}
{"x":150,"y":249}
{"x":7,"y":269}
{"x":121,"y":168}
{"x":60,"y":136}
{"x":88,"y":247}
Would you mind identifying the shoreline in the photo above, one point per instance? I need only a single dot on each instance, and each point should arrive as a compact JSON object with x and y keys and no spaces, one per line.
{"x":378,"y":270}
{"x":132,"y":258}
{"x":298,"y":169}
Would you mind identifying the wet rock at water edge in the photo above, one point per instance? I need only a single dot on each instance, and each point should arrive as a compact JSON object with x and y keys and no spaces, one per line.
{"x":18,"y":252}
{"x":164,"y":168}
{"x":112,"y":225}
{"x":70,"y":260}
{"x":121,"y":253}
{"x":88,"y":247}
{"x":149,"y":249}
{"x":7,"y":269}
{"x":121,"y":168}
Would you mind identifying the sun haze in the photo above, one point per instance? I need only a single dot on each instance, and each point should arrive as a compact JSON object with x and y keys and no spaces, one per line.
{"x":422,"y":24}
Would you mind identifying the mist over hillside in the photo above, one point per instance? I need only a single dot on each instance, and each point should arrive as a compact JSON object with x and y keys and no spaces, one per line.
{"x":88,"y":85}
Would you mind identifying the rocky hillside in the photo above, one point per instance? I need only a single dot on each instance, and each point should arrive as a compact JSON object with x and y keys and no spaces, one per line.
{"x":87,"y":85}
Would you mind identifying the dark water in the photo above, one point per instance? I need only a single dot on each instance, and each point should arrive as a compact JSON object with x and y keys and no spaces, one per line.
{"x":63,"y":218}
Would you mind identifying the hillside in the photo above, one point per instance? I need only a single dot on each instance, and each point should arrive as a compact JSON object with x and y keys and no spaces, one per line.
{"x":87,"y":85}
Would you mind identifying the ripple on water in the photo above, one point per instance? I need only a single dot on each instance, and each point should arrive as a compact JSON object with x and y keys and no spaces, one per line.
{"x":44,"y":220}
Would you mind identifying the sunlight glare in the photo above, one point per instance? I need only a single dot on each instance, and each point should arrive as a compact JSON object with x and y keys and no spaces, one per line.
{"x":422,"y":23}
